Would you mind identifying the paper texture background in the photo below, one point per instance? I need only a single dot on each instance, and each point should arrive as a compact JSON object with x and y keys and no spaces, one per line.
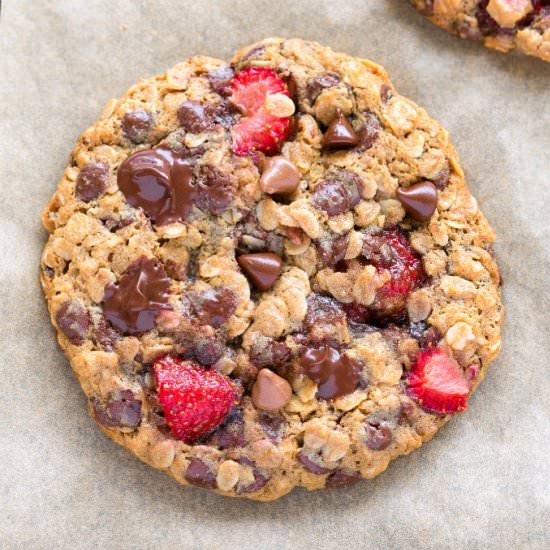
{"x":483,"y":482}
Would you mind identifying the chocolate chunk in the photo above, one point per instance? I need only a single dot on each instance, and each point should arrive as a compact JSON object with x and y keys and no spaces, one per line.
{"x":338,"y":193}
{"x":214,"y":306}
{"x":266,"y":352}
{"x":196,"y":117}
{"x":419,"y":200}
{"x":442,"y":179}
{"x":92,"y":181}
{"x":136,"y":125}
{"x":368,"y":133}
{"x":323,"y":314}
{"x":257,"y":51}
{"x":105,"y":335}
{"x":385,"y":93}
{"x":333,"y":251}
{"x":220,"y":80}
{"x":121,"y":410}
{"x":342,"y":478}
{"x":160,"y":181}
{"x":316,"y":85}
{"x":311,"y":466}
{"x":272,"y":426}
{"x":199,"y":474}
{"x":292,"y":87}
{"x":340,"y":133}
{"x":379,"y":433}
{"x":487,"y":25}
{"x":215,"y":190}
{"x":334,"y":373}
{"x":427,"y":8}
{"x":208,"y":351}
{"x":270,"y":392}
{"x":260,"y":479}
{"x":132,"y":304}
{"x":73,"y":321}
{"x":279,"y":176}
{"x":262,"y":268}
{"x":231,"y":433}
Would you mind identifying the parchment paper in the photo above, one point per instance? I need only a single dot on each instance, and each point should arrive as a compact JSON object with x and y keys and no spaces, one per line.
{"x":483,"y":482}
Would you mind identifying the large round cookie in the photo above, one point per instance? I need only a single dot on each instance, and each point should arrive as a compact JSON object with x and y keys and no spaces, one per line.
{"x":270,"y":273}
{"x":501,"y":24}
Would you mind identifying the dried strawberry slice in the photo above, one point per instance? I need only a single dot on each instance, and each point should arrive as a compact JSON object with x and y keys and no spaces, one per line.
{"x":438,"y":383}
{"x":259,"y":129}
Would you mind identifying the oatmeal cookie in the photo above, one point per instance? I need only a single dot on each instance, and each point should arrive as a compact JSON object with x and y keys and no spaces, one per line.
{"x":270,"y":273}
{"x":501,"y":24}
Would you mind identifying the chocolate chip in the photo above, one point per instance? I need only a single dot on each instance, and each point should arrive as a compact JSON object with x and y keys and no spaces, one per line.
{"x":121,"y":410}
{"x":231,"y":433}
{"x":419,"y":200}
{"x":379,"y":433}
{"x":136,"y":125}
{"x":73,"y":321}
{"x":92,"y":181}
{"x":270,"y":392}
{"x":334,"y":373}
{"x":160,"y":181}
{"x":316,"y":85}
{"x":279,"y":176}
{"x":311,"y":466}
{"x":215,"y":190}
{"x":262,"y":268}
{"x":199,"y":474}
{"x":333,"y":251}
{"x":132,"y":304}
{"x":266,"y":352}
{"x":214,"y":306}
{"x":220,"y":80}
{"x":338,"y":193}
{"x":196,"y":117}
{"x":342,"y":478}
{"x":368,"y":132}
{"x":340,"y":133}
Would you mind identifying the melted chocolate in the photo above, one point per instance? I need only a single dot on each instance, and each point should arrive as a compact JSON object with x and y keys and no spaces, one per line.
{"x":160,"y":181}
{"x":333,"y":372}
{"x":133,"y":304}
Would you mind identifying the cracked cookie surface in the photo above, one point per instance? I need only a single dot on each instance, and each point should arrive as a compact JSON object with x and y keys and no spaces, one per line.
{"x":500,"y":24}
{"x":270,"y":273}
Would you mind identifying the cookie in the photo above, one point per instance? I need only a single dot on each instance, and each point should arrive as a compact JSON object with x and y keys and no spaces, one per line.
{"x":501,"y":24}
{"x":270,"y":273}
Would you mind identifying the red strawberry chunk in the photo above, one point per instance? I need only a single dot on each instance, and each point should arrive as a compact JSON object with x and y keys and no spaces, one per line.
{"x":438,"y":383}
{"x":195,"y":400}
{"x":390,"y":251}
{"x":258,"y":130}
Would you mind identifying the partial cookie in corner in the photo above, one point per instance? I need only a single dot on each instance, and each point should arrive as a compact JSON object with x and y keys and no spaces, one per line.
{"x":270,"y":273}
{"x":500,"y":24}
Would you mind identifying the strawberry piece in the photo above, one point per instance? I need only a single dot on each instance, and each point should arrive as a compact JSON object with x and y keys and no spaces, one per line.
{"x":258,"y":130}
{"x":390,"y":250}
{"x":195,"y":400}
{"x":438,"y":383}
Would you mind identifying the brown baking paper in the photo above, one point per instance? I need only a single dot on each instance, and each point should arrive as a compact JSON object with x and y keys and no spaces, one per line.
{"x":483,"y":482}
